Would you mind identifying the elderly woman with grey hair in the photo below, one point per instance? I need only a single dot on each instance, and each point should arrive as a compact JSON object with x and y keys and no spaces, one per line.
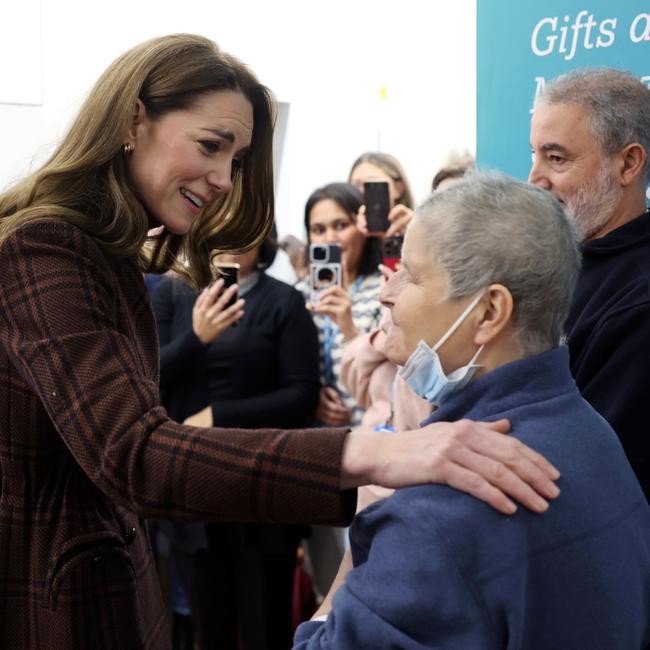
{"x":490,"y":266}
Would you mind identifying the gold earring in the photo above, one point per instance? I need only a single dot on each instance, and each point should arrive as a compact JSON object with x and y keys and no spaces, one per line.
{"x":128,"y":148}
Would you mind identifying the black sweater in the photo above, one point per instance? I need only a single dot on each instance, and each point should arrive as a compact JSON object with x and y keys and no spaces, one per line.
{"x":608,"y":334}
{"x":261,"y":373}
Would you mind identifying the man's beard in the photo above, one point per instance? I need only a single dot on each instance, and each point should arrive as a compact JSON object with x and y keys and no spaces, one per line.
{"x":595,"y":202}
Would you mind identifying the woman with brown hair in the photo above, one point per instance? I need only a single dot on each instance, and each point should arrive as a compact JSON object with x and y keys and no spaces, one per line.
{"x":375,"y":166}
{"x":175,"y":136}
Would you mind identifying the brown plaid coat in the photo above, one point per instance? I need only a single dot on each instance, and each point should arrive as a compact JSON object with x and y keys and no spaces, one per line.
{"x":86,"y":452}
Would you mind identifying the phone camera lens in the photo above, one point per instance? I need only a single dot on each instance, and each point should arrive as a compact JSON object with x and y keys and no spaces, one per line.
{"x":325,"y":275}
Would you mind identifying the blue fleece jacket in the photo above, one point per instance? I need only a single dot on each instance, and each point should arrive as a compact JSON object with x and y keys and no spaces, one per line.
{"x":436,"y":568}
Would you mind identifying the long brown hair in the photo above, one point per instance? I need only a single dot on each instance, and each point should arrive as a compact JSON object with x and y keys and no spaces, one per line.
{"x":86,"y":181}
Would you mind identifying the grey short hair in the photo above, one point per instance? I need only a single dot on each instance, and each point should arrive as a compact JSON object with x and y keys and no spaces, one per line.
{"x":489,"y":228}
{"x":618,"y":103}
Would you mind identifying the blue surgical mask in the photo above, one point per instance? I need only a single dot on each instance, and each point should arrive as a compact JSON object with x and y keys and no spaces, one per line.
{"x":423,"y":371}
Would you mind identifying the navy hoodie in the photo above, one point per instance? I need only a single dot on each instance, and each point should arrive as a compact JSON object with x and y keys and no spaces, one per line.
{"x":436,"y":568}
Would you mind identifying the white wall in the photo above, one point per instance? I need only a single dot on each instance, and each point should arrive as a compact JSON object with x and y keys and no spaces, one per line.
{"x":327,"y":59}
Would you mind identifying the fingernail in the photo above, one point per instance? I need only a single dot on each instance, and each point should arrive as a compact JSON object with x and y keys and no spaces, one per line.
{"x":553,"y":491}
{"x":511,"y":508}
{"x":541,"y":505}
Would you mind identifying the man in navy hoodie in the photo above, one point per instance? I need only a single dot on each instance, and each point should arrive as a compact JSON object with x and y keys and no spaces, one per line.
{"x":590,"y":137}
{"x":490,"y":266}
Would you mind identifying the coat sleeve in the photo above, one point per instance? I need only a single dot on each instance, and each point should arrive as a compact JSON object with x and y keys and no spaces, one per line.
{"x":408,"y":593}
{"x":294,"y":400}
{"x":59,"y":315}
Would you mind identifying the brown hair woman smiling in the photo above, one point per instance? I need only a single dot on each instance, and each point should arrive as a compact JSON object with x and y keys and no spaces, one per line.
{"x":175,"y":134}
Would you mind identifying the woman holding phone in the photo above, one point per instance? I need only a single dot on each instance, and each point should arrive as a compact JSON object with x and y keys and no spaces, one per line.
{"x":261,"y":373}
{"x":377,"y":167}
{"x":175,"y":137}
{"x":341,"y":312}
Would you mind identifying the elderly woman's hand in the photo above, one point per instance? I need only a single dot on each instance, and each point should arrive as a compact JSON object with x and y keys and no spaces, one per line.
{"x":473,"y":457}
{"x":335,"y":302}
{"x":209,"y":318}
{"x":331,"y":410}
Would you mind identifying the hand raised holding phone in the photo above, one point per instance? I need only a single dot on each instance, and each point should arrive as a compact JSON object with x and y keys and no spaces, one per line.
{"x":328,"y":295}
{"x":336,"y":303}
{"x":377,"y":218}
{"x":215,"y":310}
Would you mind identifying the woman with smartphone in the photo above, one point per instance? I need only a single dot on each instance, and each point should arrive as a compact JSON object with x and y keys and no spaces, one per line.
{"x":341,"y":311}
{"x":261,"y":372}
{"x":349,"y":308}
{"x":377,"y":167}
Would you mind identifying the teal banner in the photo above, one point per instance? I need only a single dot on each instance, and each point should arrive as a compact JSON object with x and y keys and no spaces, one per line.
{"x":522,"y":44}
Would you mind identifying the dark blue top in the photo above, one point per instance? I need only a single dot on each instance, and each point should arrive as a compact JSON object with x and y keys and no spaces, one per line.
{"x":436,"y":568}
{"x":608,"y":333}
{"x":261,"y":373}
{"x":267,"y":365}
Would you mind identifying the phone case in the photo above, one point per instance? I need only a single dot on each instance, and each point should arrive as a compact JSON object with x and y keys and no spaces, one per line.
{"x":392,"y":251}
{"x":324,"y":269}
{"x":377,"y":202}
{"x":229,"y":273}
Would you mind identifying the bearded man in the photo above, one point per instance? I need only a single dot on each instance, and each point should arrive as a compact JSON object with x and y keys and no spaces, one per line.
{"x":590,"y":137}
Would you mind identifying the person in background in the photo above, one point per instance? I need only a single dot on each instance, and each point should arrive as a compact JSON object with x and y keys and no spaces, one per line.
{"x":453,"y":169}
{"x":376,"y":166}
{"x":368,"y":167}
{"x":341,"y":313}
{"x":261,"y":372}
{"x":590,"y":137}
{"x":478,"y":311}
{"x":296,"y":251}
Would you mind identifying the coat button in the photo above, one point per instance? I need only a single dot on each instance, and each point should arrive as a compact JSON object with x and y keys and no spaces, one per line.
{"x":130,"y":535}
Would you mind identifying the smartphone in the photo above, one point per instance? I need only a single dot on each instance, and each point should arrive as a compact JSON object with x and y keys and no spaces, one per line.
{"x":229,"y":273}
{"x":392,"y":251}
{"x":377,"y":202}
{"x":324,"y":269}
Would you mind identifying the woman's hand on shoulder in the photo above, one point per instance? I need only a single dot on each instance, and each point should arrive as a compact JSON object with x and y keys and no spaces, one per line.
{"x":473,"y":457}
{"x":209,"y":318}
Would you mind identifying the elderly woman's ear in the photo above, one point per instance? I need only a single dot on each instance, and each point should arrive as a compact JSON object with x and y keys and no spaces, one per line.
{"x":494,"y":314}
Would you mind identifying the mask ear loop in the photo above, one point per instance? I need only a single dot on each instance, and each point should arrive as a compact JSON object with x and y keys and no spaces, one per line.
{"x":471,"y":363}
{"x":457,"y":323}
